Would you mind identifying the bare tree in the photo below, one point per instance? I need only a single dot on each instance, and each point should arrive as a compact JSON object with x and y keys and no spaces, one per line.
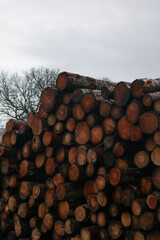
{"x":21,"y":94}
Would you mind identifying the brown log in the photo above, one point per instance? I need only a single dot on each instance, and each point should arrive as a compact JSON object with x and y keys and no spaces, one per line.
{"x":102,"y":219}
{"x":90,"y":170}
{"x":117,"y":195}
{"x":51,"y":139}
{"x":25,"y":189}
{"x":91,"y":120}
{"x":67,"y":98}
{"x":107,"y":91}
{"x":42,"y":113}
{"x":126,"y":219}
{"x":16,"y":138}
{"x":109,"y":125}
{"x":90,"y":187}
{"x":7,"y":151}
{"x":63,"y":169}
{"x":124,"y":176}
{"x":71,"y":81}
{"x":13,"y":203}
{"x":76,"y":173}
{"x":58,"y":179}
{"x":156,"y":106}
{"x":139,"y":235}
{"x":116,"y":112}
{"x":78,"y":112}
{"x":72,"y":155}
{"x":42,"y":210}
{"x":141,"y":159}
{"x":48,"y":221}
{"x":58,"y":127}
{"x":68,"y":139}
{"x":59,"y":228}
{"x":38,"y":191}
{"x":121,"y":94}
{"x":146,"y":185}
{"x":27,"y":169}
{"x":81,"y":213}
{"x":66,"y":209}
{"x":49,"y":151}
{"x":39,"y":125}
{"x":149,"y":98}
{"x":71,"y":226}
{"x":51,"y":119}
{"x":13,"y":124}
{"x":50,"y":166}
{"x":62,"y":112}
{"x":96,"y":135}
{"x":6,"y":139}
{"x":34,"y":222}
{"x":135,"y":133}
{"x":118,"y":149}
{"x":121,"y":163}
{"x":141,"y":86}
{"x":115,"y":229}
{"x":89,"y":233}
{"x":21,"y":228}
{"x":82,"y":133}
{"x":9,"y":166}
{"x":139,"y":206}
{"x":30,"y":118}
{"x":105,"y":108}
{"x":101,"y":182}
{"x":155,"y":156}
{"x":88,"y":102}
{"x":150,"y":144}
{"x":24,"y":210}
{"x":81,"y":155}
{"x":92,"y":156}
{"x":26,"y":150}
{"x":146,"y":221}
{"x":133,"y":111}
{"x":70,"y":124}
{"x":61,"y":153}
{"x":157,"y":137}
{"x":153,"y":199}
{"x":48,"y":98}
{"x":40,"y":160}
{"x":92,"y":202}
{"x":36,"y":234}
{"x":149,"y":122}
{"x":156,"y":178}
{"x":124,"y":128}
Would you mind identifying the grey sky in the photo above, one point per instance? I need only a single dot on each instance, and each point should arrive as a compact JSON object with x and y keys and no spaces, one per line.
{"x":119,"y":39}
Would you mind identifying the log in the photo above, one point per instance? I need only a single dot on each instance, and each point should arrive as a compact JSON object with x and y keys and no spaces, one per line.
{"x":48,"y":98}
{"x":13,"y":124}
{"x":133,"y":111}
{"x":88,"y":102}
{"x":70,"y":81}
{"x":148,"y":122}
{"x":141,"y":159}
{"x":42,"y":113}
{"x":141,"y":86}
{"x":109,"y":125}
{"x":115,"y":229}
{"x":156,"y":178}
{"x":116,"y":112}
{"x":82,"y":133}
{"x":156,"y":106}
{"x":146,"y":221}
{"x":149,"y":98}
{"x":51,"y":119}
{"x":96,"y":135}
{"x":139,"y":206}
{"x":122,"y":94}
{"x":155,"y":154}
{"x":105,"y":108}
{"x":78,"y":112}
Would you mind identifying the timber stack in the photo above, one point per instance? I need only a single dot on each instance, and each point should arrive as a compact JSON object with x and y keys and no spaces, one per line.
{"x":86,"y":166}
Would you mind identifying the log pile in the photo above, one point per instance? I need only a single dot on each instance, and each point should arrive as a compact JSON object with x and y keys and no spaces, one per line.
{"x":86,"y":166}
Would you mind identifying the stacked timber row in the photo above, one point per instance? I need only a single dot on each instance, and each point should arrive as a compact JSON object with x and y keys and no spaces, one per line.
{"x":86,"y":166}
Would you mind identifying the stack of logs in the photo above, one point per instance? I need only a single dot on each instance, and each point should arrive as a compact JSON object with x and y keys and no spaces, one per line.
{"x":86,"y":166}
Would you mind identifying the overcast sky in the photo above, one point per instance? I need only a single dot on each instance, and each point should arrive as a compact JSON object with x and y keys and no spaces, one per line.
{"x":119,"y":39}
